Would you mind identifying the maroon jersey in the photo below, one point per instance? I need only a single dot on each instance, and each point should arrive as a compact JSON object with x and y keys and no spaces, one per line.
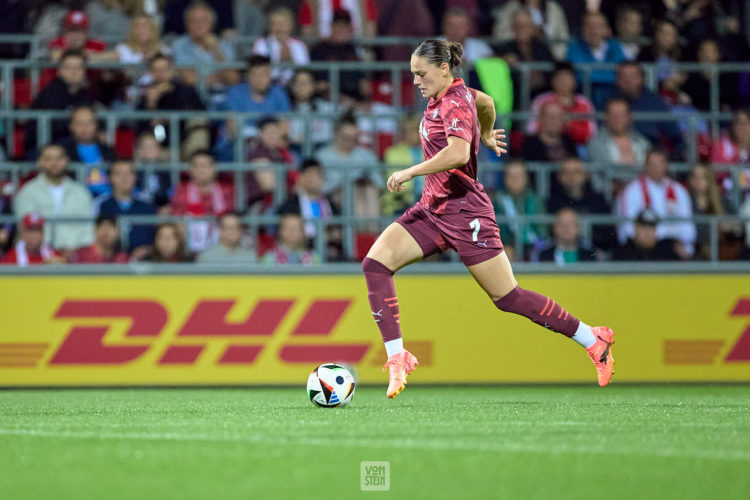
{"x":455,"y":190}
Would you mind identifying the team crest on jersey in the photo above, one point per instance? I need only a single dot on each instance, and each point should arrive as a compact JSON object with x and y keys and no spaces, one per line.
{"x":454,"y":125}
{"x":424,"y":131}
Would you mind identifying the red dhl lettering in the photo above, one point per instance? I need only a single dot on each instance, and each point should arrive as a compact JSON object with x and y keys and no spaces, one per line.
{"x":84,"y":345}
{"x":741,"y":349}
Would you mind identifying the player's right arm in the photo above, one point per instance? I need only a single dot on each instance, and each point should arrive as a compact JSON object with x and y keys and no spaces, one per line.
{"x":491,"y":137}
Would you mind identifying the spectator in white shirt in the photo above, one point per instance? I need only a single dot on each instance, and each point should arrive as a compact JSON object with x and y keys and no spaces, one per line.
{"x":667,"y":198}
{"x":280,"y":47}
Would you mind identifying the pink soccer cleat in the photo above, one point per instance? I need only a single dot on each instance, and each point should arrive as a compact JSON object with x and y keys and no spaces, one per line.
{"x":400,"y":365}
{"x":601,"y":353}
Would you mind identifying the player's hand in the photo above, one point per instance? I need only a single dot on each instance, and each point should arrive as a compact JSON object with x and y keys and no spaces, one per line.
{"x":396,"y":180}
{"x":495,"y":140}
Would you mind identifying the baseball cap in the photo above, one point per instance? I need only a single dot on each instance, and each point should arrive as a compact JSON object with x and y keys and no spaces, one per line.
{"x":647,"y":217}
{"x":32,"y":221}
{"x":76,"y":20}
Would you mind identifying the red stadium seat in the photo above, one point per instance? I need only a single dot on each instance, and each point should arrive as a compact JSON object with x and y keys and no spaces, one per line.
{"x":362,"y":244}
{"x":21,"y":93}
{"x":124,"y":142}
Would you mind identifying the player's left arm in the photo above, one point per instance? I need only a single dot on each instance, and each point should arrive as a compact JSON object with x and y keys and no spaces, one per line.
{"x":491,"y":137}
{"x":456,"y":154}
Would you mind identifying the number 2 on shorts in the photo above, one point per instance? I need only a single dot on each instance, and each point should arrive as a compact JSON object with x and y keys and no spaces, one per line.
{"x":475,"y":226}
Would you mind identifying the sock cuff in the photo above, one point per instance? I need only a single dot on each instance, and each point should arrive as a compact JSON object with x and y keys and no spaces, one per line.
{"x":373,"y":266}
{"x":510,"y":298}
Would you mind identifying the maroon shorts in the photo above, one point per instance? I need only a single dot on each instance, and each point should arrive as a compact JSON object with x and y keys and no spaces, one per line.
{"x":475,"y":236}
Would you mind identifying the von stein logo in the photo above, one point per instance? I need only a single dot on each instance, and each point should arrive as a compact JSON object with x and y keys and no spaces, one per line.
{"x":242,"y":341}
{"x":375,"y":476}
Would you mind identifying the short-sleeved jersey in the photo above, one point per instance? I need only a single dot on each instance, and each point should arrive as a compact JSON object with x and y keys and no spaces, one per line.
{"x":455,"y":190}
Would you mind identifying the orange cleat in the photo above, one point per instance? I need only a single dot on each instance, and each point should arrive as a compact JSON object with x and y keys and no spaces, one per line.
{"x":400,"y":365}
{"x":601,"y":353}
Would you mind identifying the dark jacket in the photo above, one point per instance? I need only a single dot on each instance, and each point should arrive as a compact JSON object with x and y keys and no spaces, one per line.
{"x":139,"y":234}
{"x":585,"y":253}
{"x":71,"y":148}
{"x":663,"y":250}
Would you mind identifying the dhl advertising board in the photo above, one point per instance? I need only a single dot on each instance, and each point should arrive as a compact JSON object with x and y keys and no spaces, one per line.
{"x":216,"y":330}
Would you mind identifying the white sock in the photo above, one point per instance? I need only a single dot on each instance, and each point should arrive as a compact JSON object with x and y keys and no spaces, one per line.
{"x":395,"y":346}
{"x":584,"y":335}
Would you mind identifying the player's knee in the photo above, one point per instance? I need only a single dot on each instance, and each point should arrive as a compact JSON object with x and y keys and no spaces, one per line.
{"x":370,"y":265}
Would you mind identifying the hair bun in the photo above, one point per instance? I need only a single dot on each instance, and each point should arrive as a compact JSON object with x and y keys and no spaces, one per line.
{"x":457,"y":52}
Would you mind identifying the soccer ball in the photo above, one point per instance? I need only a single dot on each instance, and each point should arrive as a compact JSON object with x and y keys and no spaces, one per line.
{"x":330,"y":385}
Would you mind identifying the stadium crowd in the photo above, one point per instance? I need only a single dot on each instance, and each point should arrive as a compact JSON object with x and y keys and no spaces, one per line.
{"x":358,"y":135}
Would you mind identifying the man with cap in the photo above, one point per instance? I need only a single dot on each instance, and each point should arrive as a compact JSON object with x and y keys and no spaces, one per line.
{"x":75,"y":36}
{"x":30,"y":248}
{"x":644,"y":244}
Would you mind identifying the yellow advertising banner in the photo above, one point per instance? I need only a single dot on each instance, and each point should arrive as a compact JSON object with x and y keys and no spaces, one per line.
{"x":217,"y":330}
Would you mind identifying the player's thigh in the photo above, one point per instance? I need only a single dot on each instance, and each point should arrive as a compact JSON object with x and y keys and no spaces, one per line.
{"x":495,"y":276}
{"x":395,"y":248}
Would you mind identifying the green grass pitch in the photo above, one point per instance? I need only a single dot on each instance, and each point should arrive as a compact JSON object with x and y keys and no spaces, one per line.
{"x":627,"y":441}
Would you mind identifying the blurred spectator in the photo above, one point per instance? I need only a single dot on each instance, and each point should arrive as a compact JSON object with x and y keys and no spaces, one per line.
{"x":548,"y":18}
{"x":155,"y":184}
{"x":572,"y":189}
{"x":403,"y":19}
{"x":169,"y":245}
{"x":166,"y":92}
{"x":308,"y":199}
{"x":249,"y":18}
{"x":563,"y":93}
{"x":176,"y":14}
{"x":698,"y":84}
{"x":200,"y":45}
{"x":202,"y":195}
{"x":617,"y":141}
{"x":106,"y":246}
{"x":291,"y":246}
{"x":84,"y":146}
{"x":279,"y":45}
{"x":551,"y":143}
{"x":256,"y":95}
{"x":338,"y":47}
{"x":707,"y":200}
{"x":457,"y":27}
{"x":69,"y":89}
{"x":141,"y":43}
{"x":266,"y":148}
{"x":13,"y":22}
{"x":345,"y":154}
{"x":734,"y":148}
{"x":76,"y":37}
{"x":665,"y":51}
{"x":566,"y":246}
{"x":526,"y":46}
{"x":317,"y":17}
{"x":631,"y":87}
{"x":304,"y":101}
{"x":110,"y":18}
{"x":644,"y":244}
{"x":124,"y":200}
{"x":7,"y":230}
{"x":406,"y":153}
{"x":518,"y":199}
{"x":230,"y":248}
{"x":595,"y":45}
{"x":575,"y":191}
{"x":667,"y":198}
{"x":53,"y":194}
{"x":31,"y":248}
{"x":629,"y":28}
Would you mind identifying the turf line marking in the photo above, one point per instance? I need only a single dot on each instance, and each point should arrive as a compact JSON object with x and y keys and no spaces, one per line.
{"x":735,"y":455}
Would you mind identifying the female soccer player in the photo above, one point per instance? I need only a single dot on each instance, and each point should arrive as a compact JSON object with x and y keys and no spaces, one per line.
{"x":455,"y":212}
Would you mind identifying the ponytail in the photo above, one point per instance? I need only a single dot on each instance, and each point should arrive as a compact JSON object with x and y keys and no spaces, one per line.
{"x":438,"y":52}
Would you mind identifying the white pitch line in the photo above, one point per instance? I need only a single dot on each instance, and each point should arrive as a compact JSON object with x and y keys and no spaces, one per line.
{"x":736,"y":455}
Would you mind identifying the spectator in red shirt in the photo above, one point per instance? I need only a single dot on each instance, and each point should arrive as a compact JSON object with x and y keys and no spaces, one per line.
{"x":30,"y":248}
{"x":267,"y":147}
{"x":317,"y":16}
{"x":76,"y":37}
{"x":563,"y":93}
{"x":106,"y":247}
{"x":202,"y":195}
